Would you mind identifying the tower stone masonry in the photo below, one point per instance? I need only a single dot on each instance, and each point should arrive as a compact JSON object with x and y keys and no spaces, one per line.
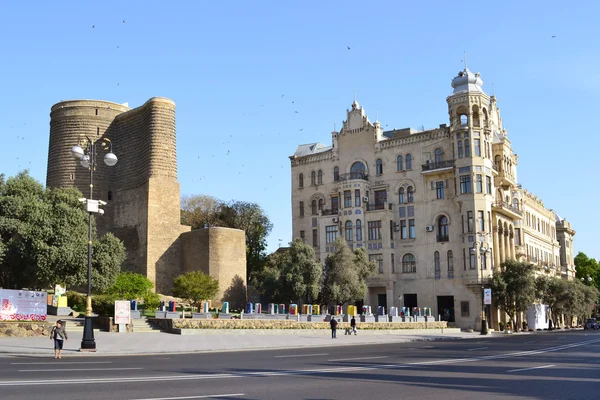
{"x":141,"y":190}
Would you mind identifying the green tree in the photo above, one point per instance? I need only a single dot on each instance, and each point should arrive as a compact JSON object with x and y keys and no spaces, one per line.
{"x":200,"y":211}
{"x":131,"y":286}
{"x":345,"y":274}
{"x":513,"y":288}
{"x":585,"y":268}
{"x":44,"y":234}
{"x":293,"y":275}
{"x":552,"y":291}
{"x":195,"y":286}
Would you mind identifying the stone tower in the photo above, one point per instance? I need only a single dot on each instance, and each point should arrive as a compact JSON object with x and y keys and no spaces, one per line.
{"x":141,"y":190}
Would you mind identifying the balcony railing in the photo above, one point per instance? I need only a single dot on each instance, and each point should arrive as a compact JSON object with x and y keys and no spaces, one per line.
{"x":509,"y":207}
{"x":442,"y":238}
{"x":432,"y":166}
{"x":353,"y":176}
{"x":374,"y":207}
{"x":333,"y":211}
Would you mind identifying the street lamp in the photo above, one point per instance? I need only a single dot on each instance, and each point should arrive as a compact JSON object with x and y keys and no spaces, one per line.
{"x":85,"y":152}
{"x":587,"y":278}
{"x":484,"y":249}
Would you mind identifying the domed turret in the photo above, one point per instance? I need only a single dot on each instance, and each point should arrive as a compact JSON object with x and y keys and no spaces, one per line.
{"x":467,"y":81}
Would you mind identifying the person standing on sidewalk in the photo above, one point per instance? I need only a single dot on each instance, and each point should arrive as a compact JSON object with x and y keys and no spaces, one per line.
{"x":353,"y":325}
{"x":59,"y":335}
{"x":333,"y":324}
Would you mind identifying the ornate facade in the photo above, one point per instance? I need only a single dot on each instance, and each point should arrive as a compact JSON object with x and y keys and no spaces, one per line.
{"x":438,"y":210}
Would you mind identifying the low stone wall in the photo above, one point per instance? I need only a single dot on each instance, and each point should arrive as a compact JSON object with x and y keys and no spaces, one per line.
{"x":170,"y":325}
{"x":25,"y":329}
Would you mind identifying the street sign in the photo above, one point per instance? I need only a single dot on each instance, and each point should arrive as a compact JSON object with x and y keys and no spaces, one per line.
{"x":487,"y":296}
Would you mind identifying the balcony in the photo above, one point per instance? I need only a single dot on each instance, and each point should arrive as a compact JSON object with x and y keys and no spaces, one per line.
{"x":333,"y":211}
{"x":438,"y":166}
{"x":378,"y":207}
{"x":353,"y":176}
{"x":442,"y":238}
{"x":507,"y":209}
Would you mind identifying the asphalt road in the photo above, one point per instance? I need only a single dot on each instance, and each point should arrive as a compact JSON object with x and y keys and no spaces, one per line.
{"x":556,"y":365}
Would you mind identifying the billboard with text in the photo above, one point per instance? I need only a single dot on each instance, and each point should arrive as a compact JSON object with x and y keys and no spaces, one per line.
{"x":22,"y":305}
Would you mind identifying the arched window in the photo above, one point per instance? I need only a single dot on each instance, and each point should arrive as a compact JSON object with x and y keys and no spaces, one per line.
{"x":464,"y":120}
{"x":436,"y":262}
{"x":401,"y":198}
{"x":467,"y":145}
{"x":313,"y":178}
{"x":358,"y":231}
{"x":516,"y":204}
{"x":109,"y":195}
{"x":313,"y":207}
{"x":410,"y":194}
{"x":460,"y":149}
{"x":439,"y":155}
{"x":379,"y":167}
{"x":408,"y":161}
{"x":358,"y":170}
{"x":450,"y":261}
{"x":409,"y":263}
{"x":336,"y":174}
{"x":321,"y":204}
{"x":320,"y":177}
{"x":301,"y":180}
{"x":399,"y":163}
{"x":443,"y":231}
{"x":348,"y":232}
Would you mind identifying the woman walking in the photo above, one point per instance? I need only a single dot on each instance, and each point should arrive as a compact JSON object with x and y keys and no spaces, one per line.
{"x":59,"y":334}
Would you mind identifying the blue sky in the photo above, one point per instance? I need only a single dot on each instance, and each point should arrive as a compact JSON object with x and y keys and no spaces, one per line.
{"x":227,"y":64}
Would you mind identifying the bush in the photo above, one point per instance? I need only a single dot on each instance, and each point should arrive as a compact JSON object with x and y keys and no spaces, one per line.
{"x":76,"y":301}
{"x":130,"y":286}
{"x":195,"y":286}
{"x":104,"y":305}
{"x":151,"y":301}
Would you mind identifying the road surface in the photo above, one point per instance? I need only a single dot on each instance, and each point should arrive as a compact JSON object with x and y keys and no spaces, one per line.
{"x":548,"y":365}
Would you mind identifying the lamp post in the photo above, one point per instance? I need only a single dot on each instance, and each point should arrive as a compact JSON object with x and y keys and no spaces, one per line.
{"x":85,"y":152}
{"x":483,"y":250}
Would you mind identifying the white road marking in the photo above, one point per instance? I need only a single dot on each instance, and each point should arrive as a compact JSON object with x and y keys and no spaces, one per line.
{"x":358,"y":358}
{"x":61,"y":362}
{"x":529,"y":369}
{"x":210,"y":396}
{"x":76,"y":369}
{"x":303,"y":355}
{"x":478,"y":348}
{"x":428,"y":347}
{"x":167,"y":378}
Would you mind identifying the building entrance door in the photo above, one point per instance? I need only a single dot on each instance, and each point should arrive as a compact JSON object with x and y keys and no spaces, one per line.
{"x":446,"y":308}
{"x":382,"y":300}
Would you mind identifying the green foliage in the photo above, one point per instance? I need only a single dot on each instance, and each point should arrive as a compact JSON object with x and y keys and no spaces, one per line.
{"x":293,"y":275}
{"x":513,"y":288}
{"x":346,"y":272}
{"x":586,"y":268}
{"x":151,"y":301}
{"x":130,"y":286}
{"x":206,"y":211}
{"x":195,"y":286}
{"x":104,"y":305}
{"x":43,"y":238}
{"x":76,"y":301}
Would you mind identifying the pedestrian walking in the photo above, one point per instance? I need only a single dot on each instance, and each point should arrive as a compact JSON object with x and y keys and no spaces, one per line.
{"x":353,"y":325}
{"x":59,"y":335}
{"x":333,"y":324}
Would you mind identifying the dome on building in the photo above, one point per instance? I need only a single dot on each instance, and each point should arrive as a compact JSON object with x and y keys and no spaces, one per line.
{"x":467,"y":81}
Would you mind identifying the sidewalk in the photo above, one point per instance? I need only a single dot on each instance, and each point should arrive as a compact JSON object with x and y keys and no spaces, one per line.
{"x":161,"y":343}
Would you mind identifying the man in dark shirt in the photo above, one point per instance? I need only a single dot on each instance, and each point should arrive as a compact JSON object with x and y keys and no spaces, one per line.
{"x":333,"y":324}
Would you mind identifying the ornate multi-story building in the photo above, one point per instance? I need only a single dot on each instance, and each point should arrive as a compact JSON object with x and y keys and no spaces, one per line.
{"x":438,"y":210}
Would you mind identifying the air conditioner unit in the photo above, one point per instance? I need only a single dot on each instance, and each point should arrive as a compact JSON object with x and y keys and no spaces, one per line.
{"x":334,"y":219}
{"x":365,"y":199}
{"x":429,"y":228}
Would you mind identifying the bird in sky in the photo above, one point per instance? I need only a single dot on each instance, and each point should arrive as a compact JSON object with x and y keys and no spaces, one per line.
{"x":123,"y":21}
{"x":93,"y":26}
{"x":301,"y":129}
{"x":348,"y":47}
{"x":553,"y":36}
{"x":282,"y":95}
{"x":296,"y":112}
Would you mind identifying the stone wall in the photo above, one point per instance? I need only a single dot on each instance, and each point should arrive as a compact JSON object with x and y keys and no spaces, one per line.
{"x":171,"y":324}
{"x":221,"y":253}
{"x":25,"y":329}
